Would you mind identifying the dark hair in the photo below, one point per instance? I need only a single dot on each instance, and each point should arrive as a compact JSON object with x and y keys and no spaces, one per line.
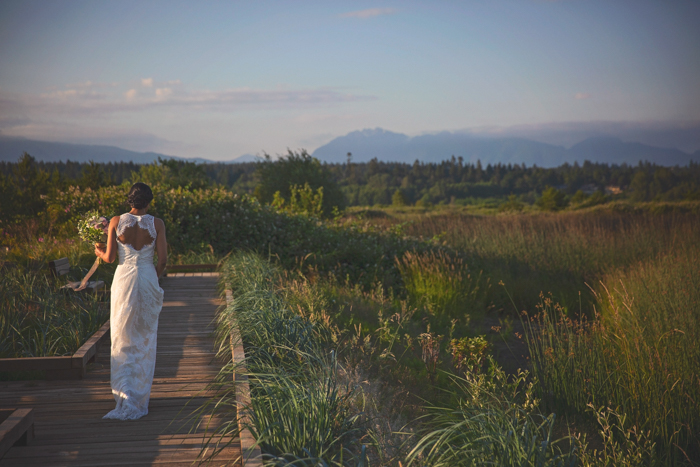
{"x":140,"y":196}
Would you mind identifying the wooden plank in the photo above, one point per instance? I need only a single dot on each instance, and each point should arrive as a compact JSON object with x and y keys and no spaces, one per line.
{"x":16,"y":429}
{"x":67,"y":367}
{"x":89,"y":349}
{"x":192,"y":267}
{"x":59,"y":266}
{"x":36,"y":363}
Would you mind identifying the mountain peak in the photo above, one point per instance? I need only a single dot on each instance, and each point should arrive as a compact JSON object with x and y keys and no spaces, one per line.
{"x":436,"y":147}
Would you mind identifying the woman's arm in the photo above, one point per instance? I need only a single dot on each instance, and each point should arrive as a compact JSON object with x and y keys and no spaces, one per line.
{"x":110,"y":253}
{"x":161,"y":247}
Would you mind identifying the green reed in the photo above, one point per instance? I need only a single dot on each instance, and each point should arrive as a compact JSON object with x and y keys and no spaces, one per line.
{"x":555,"y":253}
{"x":640,"y":357}
{"x":300,"y":412}
{"x":491,"y":420}
{"x":442,"y":283}
{"x":38,"y":320}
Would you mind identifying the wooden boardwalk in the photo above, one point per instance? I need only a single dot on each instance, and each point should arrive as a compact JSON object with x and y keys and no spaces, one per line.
{"x":69,"y":429}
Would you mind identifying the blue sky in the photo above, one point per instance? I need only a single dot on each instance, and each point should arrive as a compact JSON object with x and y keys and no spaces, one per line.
{"x":217,"y":79}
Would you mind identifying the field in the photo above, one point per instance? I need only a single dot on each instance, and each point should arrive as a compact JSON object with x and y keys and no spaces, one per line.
{"x":445,"y":335}
{"x":610,"y":302}
{"x":603,"y":304}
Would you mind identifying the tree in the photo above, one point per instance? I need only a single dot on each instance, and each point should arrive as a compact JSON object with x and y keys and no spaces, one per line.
{"x":551,"y":200}
{"x":639,"y":186}
{"x":30,"y":185}
{"x":297,"y":169}
{"x":399,"y":199}
{"x":172,"y":173}
{"x":93,"y":176}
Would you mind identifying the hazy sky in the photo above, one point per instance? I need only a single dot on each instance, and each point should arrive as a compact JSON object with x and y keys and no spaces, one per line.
{"x":217,"y":79}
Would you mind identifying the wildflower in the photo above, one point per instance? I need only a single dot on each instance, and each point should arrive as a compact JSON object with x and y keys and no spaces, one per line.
{"x":41,"y":239}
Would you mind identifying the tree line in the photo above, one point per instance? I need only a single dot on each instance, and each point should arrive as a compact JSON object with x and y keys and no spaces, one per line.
{"x":25,"y":183}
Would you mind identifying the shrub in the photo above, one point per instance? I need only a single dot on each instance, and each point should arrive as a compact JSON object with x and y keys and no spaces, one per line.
{"x":551,"y":200}
{"x":297,"y":169}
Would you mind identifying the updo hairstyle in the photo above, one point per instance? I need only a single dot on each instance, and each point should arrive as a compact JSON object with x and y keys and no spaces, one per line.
{"x":140,"y":196}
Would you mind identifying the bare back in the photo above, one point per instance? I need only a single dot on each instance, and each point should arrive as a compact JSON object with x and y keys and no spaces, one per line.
{"x":136,"y":237}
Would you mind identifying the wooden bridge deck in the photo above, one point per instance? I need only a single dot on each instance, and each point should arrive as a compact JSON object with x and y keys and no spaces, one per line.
{"x":69,"y":429}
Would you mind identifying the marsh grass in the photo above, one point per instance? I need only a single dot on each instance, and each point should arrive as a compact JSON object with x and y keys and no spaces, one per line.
{"x":491,"y":420}
{"x":443,"y":284}
{"x":300,"y":413}
{"x":555,"y":253}
{"x":640,"y":357}
{"x":37,"y":320}
{"x":309,"y":407}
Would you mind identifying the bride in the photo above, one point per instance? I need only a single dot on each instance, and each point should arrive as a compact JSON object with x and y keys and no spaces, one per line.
{"x":135,"y":303}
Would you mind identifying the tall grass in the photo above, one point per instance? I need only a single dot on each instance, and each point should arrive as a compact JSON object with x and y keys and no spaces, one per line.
{"x":306,"y":409}
{"x":442,"y":283}
{"x":555,"y":253}
{"x":491,"y":421}
{"x":642,"y":357}
{"x":37,"y":320}
{"x":300,"y":412}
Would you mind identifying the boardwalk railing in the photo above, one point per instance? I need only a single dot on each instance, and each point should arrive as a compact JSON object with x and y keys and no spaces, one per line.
{"x":69,"y":367}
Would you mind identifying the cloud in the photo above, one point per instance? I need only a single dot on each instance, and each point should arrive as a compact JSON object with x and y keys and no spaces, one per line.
{"x":94,"y":134}
{"x":147,"y":82}
{"x":369,"y":13}
{"x":79,"y":103}
{"x":91,"y":85}
{"x":684,"y":135}
{"x":162,"y":93}
{"x":582,"y":95}
{"x":58,"y":115}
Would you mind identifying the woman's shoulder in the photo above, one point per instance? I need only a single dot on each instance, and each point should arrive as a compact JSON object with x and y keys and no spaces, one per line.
{"x":158,"y":222}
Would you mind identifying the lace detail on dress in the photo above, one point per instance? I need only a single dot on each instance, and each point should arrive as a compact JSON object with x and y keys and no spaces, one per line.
{"x":146,"y":222}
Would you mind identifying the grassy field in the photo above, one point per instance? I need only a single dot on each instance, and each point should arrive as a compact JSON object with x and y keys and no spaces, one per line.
{"x":36,"y":318}
{"x":371,"y":336}
{"x":611,"y":304}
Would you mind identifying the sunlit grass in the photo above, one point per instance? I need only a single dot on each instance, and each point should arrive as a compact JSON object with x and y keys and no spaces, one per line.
{"x":641,"y":357}
{"x":443,"y":284}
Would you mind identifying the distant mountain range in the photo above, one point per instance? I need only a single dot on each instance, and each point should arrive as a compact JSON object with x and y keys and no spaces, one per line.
{"x":389,"y":146}
{"x":12,"y":148}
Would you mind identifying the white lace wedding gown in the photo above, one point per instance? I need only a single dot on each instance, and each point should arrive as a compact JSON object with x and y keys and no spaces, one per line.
{"x":135,"y":305}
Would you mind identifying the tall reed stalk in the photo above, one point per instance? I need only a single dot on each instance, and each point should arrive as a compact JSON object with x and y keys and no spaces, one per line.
{"x":640,"y":358}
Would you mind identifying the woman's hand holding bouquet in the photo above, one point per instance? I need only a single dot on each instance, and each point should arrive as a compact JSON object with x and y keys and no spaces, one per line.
{"x":92,"y":228}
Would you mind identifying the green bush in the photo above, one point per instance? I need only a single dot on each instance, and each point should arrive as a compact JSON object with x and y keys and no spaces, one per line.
{"x":551,"y":200}
{"x":297,"y":169}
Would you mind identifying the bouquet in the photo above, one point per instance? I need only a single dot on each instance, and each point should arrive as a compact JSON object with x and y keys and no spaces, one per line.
{"x":92,"y":228}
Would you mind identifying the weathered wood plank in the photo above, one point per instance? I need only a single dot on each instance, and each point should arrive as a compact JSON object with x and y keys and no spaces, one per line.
{"x":17,"y":428}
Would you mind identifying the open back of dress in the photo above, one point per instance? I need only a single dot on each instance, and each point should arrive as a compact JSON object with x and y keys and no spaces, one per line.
{"x":136,"y":301}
